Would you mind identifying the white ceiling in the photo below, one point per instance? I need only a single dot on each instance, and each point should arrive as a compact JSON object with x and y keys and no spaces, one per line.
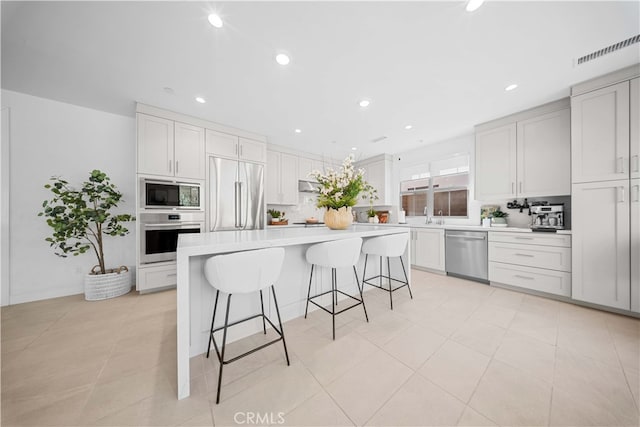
{"x":429,"y":64}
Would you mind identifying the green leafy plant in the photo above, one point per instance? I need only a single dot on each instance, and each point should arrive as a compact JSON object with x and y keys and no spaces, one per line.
{"x":275,"y":214}
{"x":371,"y":212}
{"x":499,"y":214}
{"x":341,"y":188}
{"x":81,"y":218}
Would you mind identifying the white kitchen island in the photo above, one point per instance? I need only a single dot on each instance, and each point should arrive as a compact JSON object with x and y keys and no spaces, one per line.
{"x":195,"y":297}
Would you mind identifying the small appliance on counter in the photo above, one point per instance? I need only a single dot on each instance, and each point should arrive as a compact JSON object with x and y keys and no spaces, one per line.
{"x":547,"y":218}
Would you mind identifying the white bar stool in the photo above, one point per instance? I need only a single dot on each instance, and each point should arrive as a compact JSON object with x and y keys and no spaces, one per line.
{"x":335,"y":254}
{"x":389,"y":246}
{"x":243,"y":273}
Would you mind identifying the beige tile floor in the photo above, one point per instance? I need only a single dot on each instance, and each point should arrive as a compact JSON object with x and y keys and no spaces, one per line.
{"x":459,"y":353}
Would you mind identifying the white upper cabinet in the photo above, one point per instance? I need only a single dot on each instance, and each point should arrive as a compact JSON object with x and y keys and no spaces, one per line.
{"x":377,"y":172}
{"x":527,"y":154}
{"x":496,"y":163}
{"x":600,"y":134}
{"x":544,"y":155}
{"x":155,"y":145}
{"x":170,"y":148}
{"x":634,"y":128}
{"x":635,"y":244}
{"x":305,"y":166}
{"x":234,"y":147}
{"x":252,"y":151}
{"x":189,"y":151}
{"x":601,"y":245}
{"x":282,"y":178}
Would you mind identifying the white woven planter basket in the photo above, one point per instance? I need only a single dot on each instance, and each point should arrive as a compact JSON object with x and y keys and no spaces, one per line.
{"x":110,"y":285}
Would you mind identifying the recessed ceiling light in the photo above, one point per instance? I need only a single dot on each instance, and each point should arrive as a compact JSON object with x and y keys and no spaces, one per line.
{"x":354,"y":148}
{"x":365,"y":103}
{"x":200,"y":99}
{"x":297,"y":131}
{"x":215,"y":20}
{"x":282,"y":59}
{"x":511,"y":87}
{"x":473,"y":5}
{"x":408,"y":127}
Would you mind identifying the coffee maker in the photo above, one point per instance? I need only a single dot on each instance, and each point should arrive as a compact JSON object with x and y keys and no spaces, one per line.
{"x":547,"y":218}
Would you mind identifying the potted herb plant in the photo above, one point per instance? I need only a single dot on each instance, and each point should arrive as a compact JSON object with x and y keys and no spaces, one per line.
{"x":499,"y":218}
{"x":81,"y":219}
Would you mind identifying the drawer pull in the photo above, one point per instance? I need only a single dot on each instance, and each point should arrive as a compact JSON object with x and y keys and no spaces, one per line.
{"x":172,"y":274}
{"x":524,"y":277}
{"x":527,"y":255}
{"x":524,"y":238}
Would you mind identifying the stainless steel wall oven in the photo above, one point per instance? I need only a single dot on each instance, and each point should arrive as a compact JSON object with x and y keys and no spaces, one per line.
{"x":160,"y":231}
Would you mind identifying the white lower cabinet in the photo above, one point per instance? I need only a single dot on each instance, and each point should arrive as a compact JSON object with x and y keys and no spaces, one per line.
{"x":635,"y":245}
{"x":427,"y":248}
{"x":540,"y":262}
{"x":537,"y":279}
{"x":601,"y":243}
{"x":156,"y":277}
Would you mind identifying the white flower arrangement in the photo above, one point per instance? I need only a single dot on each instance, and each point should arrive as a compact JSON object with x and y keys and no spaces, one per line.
{"x":341,"y":188}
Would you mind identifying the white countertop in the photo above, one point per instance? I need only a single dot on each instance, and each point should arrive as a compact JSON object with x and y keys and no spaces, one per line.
{"x":465,"y":227}
{"x":231,"y":241}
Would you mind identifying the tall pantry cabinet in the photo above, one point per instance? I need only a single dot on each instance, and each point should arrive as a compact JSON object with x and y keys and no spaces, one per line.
{"x":605,"y":190}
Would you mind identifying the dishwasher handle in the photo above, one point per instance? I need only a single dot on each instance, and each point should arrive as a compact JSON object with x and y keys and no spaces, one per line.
{"x":462,"y":236}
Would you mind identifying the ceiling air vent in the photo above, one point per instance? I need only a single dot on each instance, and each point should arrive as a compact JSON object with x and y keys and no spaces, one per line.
{"x":378,"y":139}
{"x":598,"y":53}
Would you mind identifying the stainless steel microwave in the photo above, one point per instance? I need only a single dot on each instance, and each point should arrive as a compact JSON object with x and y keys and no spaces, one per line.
{"x":160,"y":194}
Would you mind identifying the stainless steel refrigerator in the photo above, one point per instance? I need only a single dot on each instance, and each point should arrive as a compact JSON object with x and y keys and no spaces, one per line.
{"x":236,"y":195}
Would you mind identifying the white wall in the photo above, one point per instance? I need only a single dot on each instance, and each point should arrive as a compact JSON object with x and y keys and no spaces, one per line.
{"x":52,"y":138}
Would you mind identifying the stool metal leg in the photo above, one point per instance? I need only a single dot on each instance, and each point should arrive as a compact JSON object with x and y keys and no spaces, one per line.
{"x":308,"y":292}
{"x":224,"y":345}
{"x":390,"y":286}
{"x":284,"y":343}
{"x":264,"y":325}
{"x":213,"y":318}
{"x":406,"y":278}
{"x":360,"y":290}
{"x":333,"y":301}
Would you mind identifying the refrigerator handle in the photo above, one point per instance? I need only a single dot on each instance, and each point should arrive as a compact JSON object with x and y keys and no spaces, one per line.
{"x":236,"y":201}
{"x":240,"y":222}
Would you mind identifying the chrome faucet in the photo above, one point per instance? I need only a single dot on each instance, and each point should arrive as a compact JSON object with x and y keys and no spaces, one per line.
{"x":440,"y":220}
{"x":426,"y":216}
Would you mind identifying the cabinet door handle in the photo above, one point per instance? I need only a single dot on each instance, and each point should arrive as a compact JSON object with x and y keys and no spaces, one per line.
{"x":521,"y":186}
{"x":620,"y":164}
{"x":636,"y":163}
{"x":176,"y":166}
{"x":620,"y":194}
{"x":637,"y":197}
{"x":236,"y":149}
{"x":524,"y":277}
{"x":527,"y":255}
{"x":524,"y":238}
{"x":240,"y":150}
{"x":169,"y":166}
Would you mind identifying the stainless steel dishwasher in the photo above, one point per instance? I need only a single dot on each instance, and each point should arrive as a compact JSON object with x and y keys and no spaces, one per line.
{"x":466,"y":254}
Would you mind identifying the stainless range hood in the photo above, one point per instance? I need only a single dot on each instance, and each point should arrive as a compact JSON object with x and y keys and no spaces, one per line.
{"x":308,"y":186}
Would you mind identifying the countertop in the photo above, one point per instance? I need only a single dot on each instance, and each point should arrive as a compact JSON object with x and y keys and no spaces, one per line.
{"x":274,"y":236}
{"x":465,"y":227}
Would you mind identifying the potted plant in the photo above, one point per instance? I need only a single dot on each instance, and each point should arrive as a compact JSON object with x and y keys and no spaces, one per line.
{"x":276,"y":216}
{"x":499,"y":218}
{"x":80,"y":220}
{"x":338,"y":192}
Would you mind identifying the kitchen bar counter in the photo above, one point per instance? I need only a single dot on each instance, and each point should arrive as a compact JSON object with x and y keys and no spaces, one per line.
{"x":195,"y":297}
